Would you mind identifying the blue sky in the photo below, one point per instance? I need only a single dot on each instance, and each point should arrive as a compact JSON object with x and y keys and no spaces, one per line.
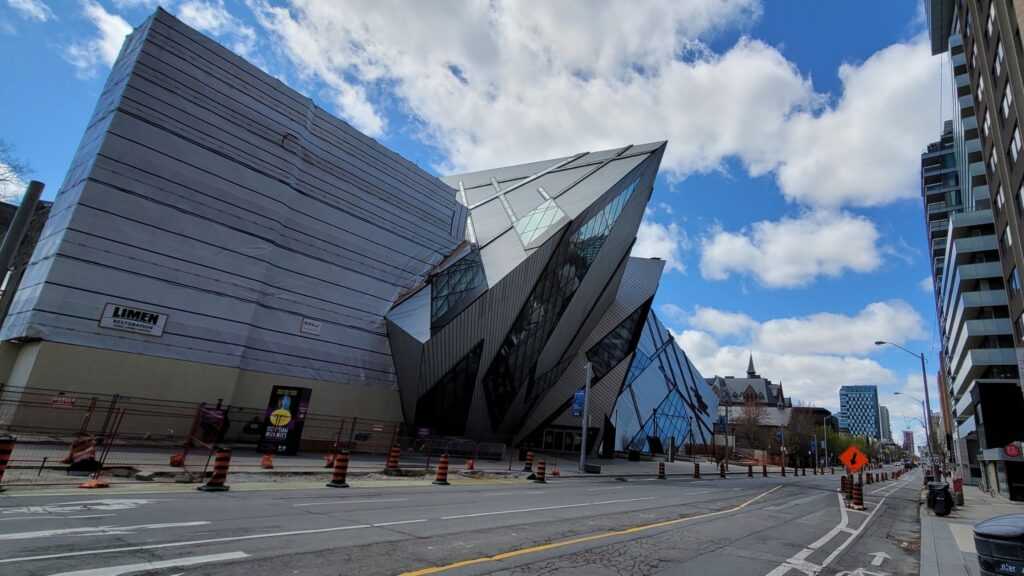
{"x":787,"y":208}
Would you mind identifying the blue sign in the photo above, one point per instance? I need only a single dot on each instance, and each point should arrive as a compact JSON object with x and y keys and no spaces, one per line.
{"x":577,"y":403}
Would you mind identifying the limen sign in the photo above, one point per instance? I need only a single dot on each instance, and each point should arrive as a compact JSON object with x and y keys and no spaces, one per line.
{"x":129,"y":319}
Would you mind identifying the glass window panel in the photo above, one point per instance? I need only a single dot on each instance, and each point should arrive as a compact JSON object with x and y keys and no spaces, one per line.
{"x":536,"y":225}
{"x":455,"y":287}
{"x":617,"y":344}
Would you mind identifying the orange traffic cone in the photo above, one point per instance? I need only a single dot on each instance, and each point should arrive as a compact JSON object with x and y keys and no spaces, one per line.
{"x":267,"y":461}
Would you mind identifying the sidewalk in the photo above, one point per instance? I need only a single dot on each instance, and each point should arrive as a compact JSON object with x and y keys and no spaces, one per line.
{"x":947,"y":544}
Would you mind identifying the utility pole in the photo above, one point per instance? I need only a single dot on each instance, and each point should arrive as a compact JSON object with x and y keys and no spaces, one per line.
{"x":585,"y":425}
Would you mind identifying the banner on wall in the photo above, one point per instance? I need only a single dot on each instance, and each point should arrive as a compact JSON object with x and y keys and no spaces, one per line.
{"x":284,"y":418}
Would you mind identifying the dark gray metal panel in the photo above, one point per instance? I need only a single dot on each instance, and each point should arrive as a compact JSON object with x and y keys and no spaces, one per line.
{"x":637,"y":282}
{"x":217,"y":195}
{"x":524,"y":199}
{"x":490,"y":220}
{"x":603,"y":394}
{"x":502,"y":255}
{"x":582,"y":196}
{"x":557,"y":182}
{"x":503,"y":174}
{"x":407,"y":352}
{"x":613,"y":252}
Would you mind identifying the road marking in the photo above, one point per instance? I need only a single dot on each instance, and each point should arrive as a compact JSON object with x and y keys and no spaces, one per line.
{"x":87,"y":516}
{"x":605,"y":489}
{"x":582,"y":539}
{"x":878,"y":558}
{"x":398,"y":522}
{"x":797,"y":502}
{"x":95,"y":530}
{"x":80,"y":506}
{"x":538,"y":509}
{"x":180,"y":544}
{"x":147,"y":566}
{"x":329,"y":502}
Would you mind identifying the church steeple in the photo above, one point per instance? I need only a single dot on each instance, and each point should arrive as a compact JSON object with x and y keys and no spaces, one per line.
{"x":751,"y":373}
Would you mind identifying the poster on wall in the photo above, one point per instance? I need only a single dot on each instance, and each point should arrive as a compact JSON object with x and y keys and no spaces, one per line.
{"x":283,"y":420}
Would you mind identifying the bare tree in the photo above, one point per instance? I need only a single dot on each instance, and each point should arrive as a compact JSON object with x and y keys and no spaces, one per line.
{"x":13,"y":170}
{"x":747,"y":426}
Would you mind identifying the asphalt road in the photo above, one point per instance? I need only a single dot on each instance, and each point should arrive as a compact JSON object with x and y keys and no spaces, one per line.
{"x":762,"y":526}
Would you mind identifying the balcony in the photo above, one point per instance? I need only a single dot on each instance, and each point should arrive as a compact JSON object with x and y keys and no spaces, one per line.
{"x":976,"y":329}
{"x":938,"y":225}
{"x":975,"y":361}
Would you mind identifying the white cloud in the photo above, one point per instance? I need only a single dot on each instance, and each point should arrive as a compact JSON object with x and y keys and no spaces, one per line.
{"x":129,"y":4}
{"x":793,"y":251}
{"x":721,"y":323}
{"x":865,"y":151}
{"x":102,"y":50}
{"x":32,"y":9}
{"x":665,"y":241}
{"x":827,"y":333}
{"x":546,"y":79}
{"x":812,"y":379}
{"x":212,"y":17}
{"x":927,"y":285}
{"x":674,"y":314}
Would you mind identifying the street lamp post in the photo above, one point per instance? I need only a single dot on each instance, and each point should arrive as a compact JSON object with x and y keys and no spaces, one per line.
{"x":927,"y":401}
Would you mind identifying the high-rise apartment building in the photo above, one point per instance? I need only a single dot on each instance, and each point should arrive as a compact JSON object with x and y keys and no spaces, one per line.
{"x":908,"y":441}
{"x":980,"y":307}
{"x":859,"y":410}
{"x":885,"y":423}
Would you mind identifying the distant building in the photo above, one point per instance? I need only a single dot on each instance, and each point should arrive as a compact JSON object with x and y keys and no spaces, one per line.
{"x":859,"y":410}
{"x":908,"y":441}
{"x":774,"y":409}
{"x":883,"y":414}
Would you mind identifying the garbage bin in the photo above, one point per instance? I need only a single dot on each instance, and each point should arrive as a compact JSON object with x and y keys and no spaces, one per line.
{"x":933,"y":490}
{"x":1000,"y":545}
{"x":943,"y":499}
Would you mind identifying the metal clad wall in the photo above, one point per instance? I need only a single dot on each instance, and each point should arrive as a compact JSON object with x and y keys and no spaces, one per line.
{"x":207,"y":190}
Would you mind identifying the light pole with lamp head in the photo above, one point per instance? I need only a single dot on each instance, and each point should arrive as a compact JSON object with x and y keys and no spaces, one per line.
{"x":927,"y":401}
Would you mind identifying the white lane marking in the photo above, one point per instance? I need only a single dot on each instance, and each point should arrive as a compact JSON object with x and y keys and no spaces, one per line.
{"x":330,"y":502}
{"x":180,"y":544}
{"x":520,"y":493}
{"x":95,"y":530}
{"x":86,"y":516}
{"x":398,"y":522}
{"x":147,"y":566}
{"x":55,"y":517}
{"x":82,"y":505}
{"x":540,"y":508}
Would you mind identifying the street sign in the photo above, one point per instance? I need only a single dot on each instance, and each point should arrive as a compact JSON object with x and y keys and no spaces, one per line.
{"x":577,"y":403}
{"x":853,"y":459}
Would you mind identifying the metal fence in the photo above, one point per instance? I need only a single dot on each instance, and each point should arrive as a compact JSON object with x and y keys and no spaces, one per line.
{"x":174,"y":440}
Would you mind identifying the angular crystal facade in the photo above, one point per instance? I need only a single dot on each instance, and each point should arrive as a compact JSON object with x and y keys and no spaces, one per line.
{"x":663,"y":396}
{"x":445,"y":407}
{"x":617,"y":344}
{"x":455,"y":287}
{"x":516,"y":359}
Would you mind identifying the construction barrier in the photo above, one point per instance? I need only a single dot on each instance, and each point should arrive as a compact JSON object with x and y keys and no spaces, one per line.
{"x":267,"y":461}
{"x":783,"y":470}
{"x":721,"y":470}
{"x":442,"y":471}
{"x":842,"y":485}
{"x":540,"y":473}
{"x":392,"y":463}
{"x":661,"y":471}
{"x":221,"y":462}
{"x":750,"y":470}
{"x":554,"y":471}
{"x":470,"y":465}
{"x":82,"y":455}
{"x":6,"y":447}
{"x":340,"y":471}
{"x":764,"y":470}
{"x":528,"y":466}
{"x":857,"y":502}
{"x":696,"y":470}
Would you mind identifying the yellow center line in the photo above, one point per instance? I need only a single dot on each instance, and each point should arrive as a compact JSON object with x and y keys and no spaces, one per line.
{"x":581,"y":539}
